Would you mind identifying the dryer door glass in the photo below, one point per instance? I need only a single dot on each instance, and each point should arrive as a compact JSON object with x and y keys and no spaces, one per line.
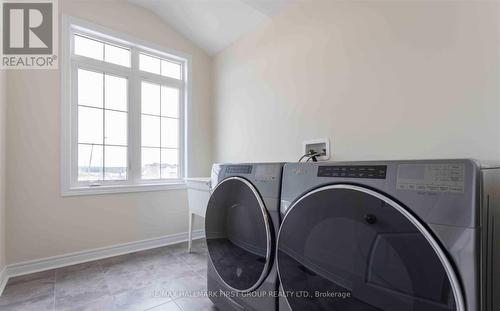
{"x":238,"y":234}
{"x":347,"y":249}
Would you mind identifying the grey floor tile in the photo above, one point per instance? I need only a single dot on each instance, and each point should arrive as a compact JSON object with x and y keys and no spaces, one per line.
{"x":169,"y":306}
{"x":140,"y":299}
{"x":150,"y":254}
{"x":197,"y":261}
{"x":124,"y":281}
{"x":191,"y":284}
{"x":182,"y":245}
{"x":72,"y":282}
{"x":158,"y":259}
{"x":120,"y":264}
{"x":139,"y":281}
{"x":106,"y":303}
{"x":80,"y":287}
{"x":176,"y":249}
{"x":42,"y":303}
{"x":83,"y":301}
{"x":199,"y":244}
{"x":48,"y":276}
{"x":25,"y":291}
{"x":195,"y":257}
{"x":195,"y":304}
{"x":74,"y":268}
{"x":170,"y":270}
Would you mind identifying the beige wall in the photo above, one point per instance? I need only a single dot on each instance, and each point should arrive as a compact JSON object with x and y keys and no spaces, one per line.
{"x":395,"y":79}
{"x":41,"y":223}
{"x":3,"y":104}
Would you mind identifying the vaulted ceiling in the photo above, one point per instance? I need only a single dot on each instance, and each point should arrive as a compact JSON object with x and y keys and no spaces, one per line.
{"x":213,"y":25}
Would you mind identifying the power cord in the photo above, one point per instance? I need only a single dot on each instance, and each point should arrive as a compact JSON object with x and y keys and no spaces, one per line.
{"x":311,"y":155}
{"x":313,"y":158}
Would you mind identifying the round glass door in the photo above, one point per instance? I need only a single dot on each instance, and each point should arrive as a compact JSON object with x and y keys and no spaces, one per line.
{"x":238,"y":234}
{"x":346,"y":248}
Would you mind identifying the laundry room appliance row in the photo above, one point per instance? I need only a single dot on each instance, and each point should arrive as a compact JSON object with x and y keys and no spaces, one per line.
{"x":355,"y":236}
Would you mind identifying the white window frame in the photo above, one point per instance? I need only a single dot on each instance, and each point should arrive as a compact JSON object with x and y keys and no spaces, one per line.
{"x":69,"y":107}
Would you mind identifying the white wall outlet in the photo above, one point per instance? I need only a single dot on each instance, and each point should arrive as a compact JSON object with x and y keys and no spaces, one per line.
{"x":320,"y":146}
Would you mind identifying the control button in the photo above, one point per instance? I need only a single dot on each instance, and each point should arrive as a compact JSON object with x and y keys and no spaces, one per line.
{"x":375,"y":172}
{"x":420,"y":187}
{"x":457,"y":189}
{"x":432,"y":188}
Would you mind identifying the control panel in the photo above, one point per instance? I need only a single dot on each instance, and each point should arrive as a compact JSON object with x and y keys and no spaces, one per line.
{"x":239,"y":169}
{"x":431,"y":177}
{"x":267,"y":172}
{"x":353,"y":171}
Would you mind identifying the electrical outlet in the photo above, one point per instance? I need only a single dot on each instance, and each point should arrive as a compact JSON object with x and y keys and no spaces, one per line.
{"x":320,"y":146}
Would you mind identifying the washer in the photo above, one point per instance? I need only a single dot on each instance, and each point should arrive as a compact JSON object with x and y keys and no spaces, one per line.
{"x":241,"y":224}
{"x":390,"y":235}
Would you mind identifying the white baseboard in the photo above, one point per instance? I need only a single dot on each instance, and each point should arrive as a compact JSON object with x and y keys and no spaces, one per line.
{"x":69,"y":259}
{"x":3,"y":279}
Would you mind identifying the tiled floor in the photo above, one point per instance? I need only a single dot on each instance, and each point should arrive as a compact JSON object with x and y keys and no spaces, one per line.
{"x":161,"y":279}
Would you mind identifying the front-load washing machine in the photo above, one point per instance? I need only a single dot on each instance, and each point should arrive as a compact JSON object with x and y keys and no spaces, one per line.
{"x":241,"y":224}
{"x":390,"y":235}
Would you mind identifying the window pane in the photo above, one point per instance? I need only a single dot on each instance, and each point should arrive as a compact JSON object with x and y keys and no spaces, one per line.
{"x":150,"y":131}
{"x":117,"y":55}
{"x":149,"y":63}
{"x":169,"y":102}
{"x":170,"y":69}
{"x":169,"y":133}
{"x":115,"y":163}
{"x":89,"y":48}
{"x":169,"y":163}
{"x":150,"y":98}
{"x":89,"y":162}
{"x":150,"y":163}
{"x":116,"y":128}
{"x":90,"y":88}
{"x":90,"y":125}
{"x":116,"y":93}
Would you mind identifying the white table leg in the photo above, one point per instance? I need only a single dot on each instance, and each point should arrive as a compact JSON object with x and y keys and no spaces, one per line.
{"x":191,"y":220}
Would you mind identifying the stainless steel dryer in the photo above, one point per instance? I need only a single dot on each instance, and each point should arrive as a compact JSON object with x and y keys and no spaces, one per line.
{"x":390,"y":235}
{"x":241,"y":224}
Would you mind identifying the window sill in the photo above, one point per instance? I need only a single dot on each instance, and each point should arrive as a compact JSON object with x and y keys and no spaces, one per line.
{"x":109,"y":189}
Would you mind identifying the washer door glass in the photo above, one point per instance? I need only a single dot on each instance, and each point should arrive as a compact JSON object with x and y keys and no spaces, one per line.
{"x":345,"y":248}
{"x":238,"y":234}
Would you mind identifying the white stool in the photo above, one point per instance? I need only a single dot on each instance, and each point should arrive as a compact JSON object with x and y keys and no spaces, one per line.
{"x":198,"y":195}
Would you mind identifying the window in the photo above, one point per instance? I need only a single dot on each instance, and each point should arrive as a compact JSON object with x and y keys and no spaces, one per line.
{"x":123,"y":113}
{"x":160,"y":131}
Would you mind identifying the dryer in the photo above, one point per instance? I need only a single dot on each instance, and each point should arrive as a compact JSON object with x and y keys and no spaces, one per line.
{"x":241,"y":224}
{"x":390,"y":235}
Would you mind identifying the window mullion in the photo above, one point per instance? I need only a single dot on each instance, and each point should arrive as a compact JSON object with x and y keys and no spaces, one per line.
{"x":103,"y":126}
{"x":159,"y":119}
{"x":74,"y":124}
{"x":135,"y":120}
{"x":157,"y":79}
{"x":182,"y":143}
